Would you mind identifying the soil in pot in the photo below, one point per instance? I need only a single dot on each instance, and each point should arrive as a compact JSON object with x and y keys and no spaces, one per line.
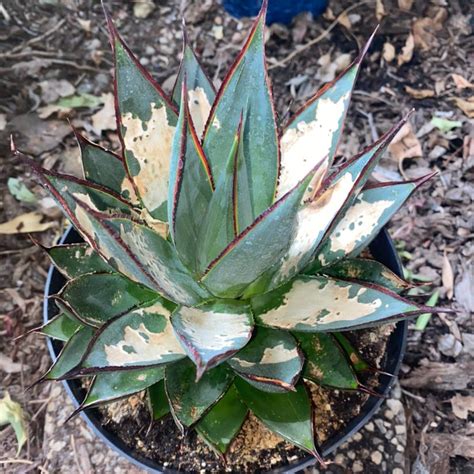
{"x":255,"y":449}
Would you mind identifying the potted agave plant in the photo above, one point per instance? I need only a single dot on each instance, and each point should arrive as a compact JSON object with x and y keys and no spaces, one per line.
{"x":215,"y":266}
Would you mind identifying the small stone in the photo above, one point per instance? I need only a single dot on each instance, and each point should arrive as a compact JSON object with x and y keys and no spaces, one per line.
{"x":397,"y":470}
{"x":449,"y":345}
{"x":389,"y":414}
{"x":395,"y":405}
{"x":400,"y":448}
{"x":389,"y":434}
{"x":384,"y":466}
{"x":376,"y":440}
{"x":340,"y":459}
{"x":369,"y":426}
{"x":399,"y":458}
{"x":351,"y":455}
{"x":394,"y":441}
{"x":376,"y":457}
{"x":357,"y":437}
{"x":400,"y":429}
{"x":379,"y":424}
{"x":357,"y":467}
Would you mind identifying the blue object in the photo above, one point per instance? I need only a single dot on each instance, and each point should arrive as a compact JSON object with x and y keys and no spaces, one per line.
{"x":279,"y":11}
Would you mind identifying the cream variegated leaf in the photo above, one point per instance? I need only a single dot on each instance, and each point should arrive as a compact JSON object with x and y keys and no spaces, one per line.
{"x":321,"y":304}
{"x":213,"y":332}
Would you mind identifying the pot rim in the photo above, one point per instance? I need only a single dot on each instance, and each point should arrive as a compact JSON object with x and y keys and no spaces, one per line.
{"x":382,"y":248}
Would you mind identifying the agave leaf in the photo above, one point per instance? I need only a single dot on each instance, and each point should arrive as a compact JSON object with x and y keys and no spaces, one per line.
{"x":71,"y":353}
{"x":364,"y":219}
{"x":288,"y":414}
{"x":246,"y":88}
{"x":190,"y":189}
{"x":315,"y":219}
{"x":95,"y":298}
{"x":268,"y":237}
{"x":271,"y":361}
{"x":139,"y":339}
{"x":368,"y":270}
{"x":189,"y":399}
{"x":313,"y":134}
{"x":74,"y":260}
{"x":221,"y":424}
{"x":326,"y":364}
{"x":201,"y":92}
{"x":159,"y":405}
{"x":61,"y":327}
{"x":105,"y":168}
{"x":221,"y":224}
{"x":321,"y":304}
{"x":113,"y":385}
{"x":147,"y":122}
{"x":159,"y":259}
{"x":212,"y":332}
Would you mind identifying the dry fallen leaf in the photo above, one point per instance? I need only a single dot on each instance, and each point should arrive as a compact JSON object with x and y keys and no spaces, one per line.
{"x":345,"y":21}
{"x":53,"y":89}
{"x":12,"y":414}
{"x":405,"y":145}
{"x":405,"y":4}
{"x":388,"y":52}
{"x":25,"y":223}
{"x":104,"y":119}
{"x":461,"y":82}
{"x":8,"y":366}
{"x":329,"y":68}
{"x":425,"y":30}
{"x":466,"y":105}
{"x":379,"y":10}
{"x":447,"y":277}
{"x":407,"y":51}
{"x":420,"y":93}
{"x":462,"y":405}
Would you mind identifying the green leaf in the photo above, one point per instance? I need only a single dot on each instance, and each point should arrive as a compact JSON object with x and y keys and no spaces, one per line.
{"x":316,"y":218}
{"x":113,"y":385}
{"x":71,"y":353}
{"x":12,"y":414}
{"x":445,"y":125}
{"x":313,"y":134}
{"x":212,"y":332}
{"x":358,"y":363}
{"x":95,"y":298}
{"x":223,"y":421}
{"x":288,"y":414}
{"x":88,"y":101}
{"x":158,"y":400}
{"x":368,"y":270}
{"x":326,"y":364}
{"x":105,"y":168}
{"x":158,"y":258}
{"x":201,"y":92}
{"x":321,"y":304}
{"x":141,"y":338}
{"x":147,"y":121}
{"x":246,"y":89}
{"x":190,"y":190}
{"x":189,"y":399}
{"x":19,"y":190}
{"x":61,"y":327}
{"x":423,"y":320}
{"x":256,"y":248}
{"x":364,"y":219}
{"x":271,"y":361}
{"x":74,"y":260}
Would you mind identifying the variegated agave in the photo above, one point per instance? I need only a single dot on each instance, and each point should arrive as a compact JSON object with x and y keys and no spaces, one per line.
{"x":221,"y":262}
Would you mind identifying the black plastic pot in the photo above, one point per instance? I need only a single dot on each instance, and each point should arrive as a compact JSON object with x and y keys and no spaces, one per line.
{"x":279,"y":11}
{"x":382,"y":249}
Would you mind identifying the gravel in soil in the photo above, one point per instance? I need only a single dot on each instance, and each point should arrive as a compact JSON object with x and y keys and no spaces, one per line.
{"x":422,"y":57}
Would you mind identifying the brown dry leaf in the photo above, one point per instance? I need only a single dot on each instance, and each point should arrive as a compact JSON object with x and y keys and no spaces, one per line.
{"x":85,"y":24}
{"x":420,"y":93}
{"x":407,"y":51}
{"x":425,"y":29}
{"x":104,"y":119}
{"x":447,"y":277}
{"x":25,"y":223}
{"x":405,"y":4}
{"x":8,"y":366}
{"x":466,"y":105}
{"x":461,"y":82}
{"x":462,"y":405}
{"x":379,"y":10}
{"x":405,"y":145}
{"x":345,"y":21}
{"x":388,"y":52}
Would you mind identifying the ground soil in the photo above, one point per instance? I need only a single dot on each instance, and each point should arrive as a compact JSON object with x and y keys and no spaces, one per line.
{"x":42,"y":42}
